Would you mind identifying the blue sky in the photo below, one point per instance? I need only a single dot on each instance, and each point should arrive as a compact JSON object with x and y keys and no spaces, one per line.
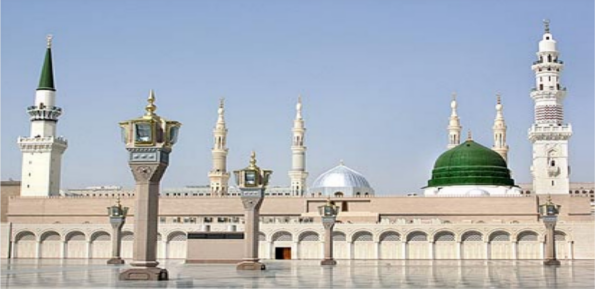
{"x":376,"y":79}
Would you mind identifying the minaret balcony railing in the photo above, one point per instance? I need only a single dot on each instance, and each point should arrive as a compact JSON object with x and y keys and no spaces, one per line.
{"x":554,"y":61}
{"x":38,"y":140}
{"x":44,"y":113}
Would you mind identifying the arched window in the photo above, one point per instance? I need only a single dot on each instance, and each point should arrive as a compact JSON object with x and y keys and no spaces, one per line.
{"x":338,"y":194}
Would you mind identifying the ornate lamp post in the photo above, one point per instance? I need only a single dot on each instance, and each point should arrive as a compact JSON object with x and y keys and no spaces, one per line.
{"x":117,"y":218}
{"x":252,"y":182}
{"x":549,"y":214}
{"x":149,"y":139}
{"x":328,"y":212}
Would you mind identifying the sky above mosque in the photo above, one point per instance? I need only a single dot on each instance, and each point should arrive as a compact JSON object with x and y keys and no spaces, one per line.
{"x":376,"y":78}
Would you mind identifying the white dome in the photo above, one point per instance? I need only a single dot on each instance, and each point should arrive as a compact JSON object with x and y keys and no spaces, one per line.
{"x":341,"y":176}
{"x":344,"y":180}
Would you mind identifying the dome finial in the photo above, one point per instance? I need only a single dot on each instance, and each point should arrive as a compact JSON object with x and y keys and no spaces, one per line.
{"x":253,"y":159}
{"x":469,"y":137}
{"x":150,"y":108}
{"x":221,"y":107}
{"x":453,"y":104}
{"x":546,"y":24}
{"x":341,"y":162}
{"x":49,"y":40}
{"x":498,"y":98}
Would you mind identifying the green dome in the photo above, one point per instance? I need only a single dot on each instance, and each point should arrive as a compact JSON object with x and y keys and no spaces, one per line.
{"x":470,"y":164}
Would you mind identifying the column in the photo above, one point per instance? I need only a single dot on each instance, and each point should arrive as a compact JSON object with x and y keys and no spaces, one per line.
{"x":514,"y":245}
{"x":376,"y":250}
{"x":488,"y":251}
{"x":459,"y":250}
{"x":404,"y":250}
{"x":350,"y":250}
{"x":166,"y":249}
{"x":571,"y":250}
{"x":431,"y":249}
{"x":63,"y":250}
{"x":542,"y":249}
{"x":38,"y":249}
{"x":88,"y":249}
{"x":295,"y":246}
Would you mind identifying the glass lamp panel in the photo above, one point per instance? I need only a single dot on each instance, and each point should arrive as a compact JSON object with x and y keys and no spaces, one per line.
{"x":250,"y":178}
{"x":173,"y":134}
{"x":124,"y":134}
{"x":143,"y":132}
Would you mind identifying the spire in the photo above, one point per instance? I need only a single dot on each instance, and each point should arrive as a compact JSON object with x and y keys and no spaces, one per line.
{"x":469,"y":137}
{"x":546,"y":24}
{"x":46,"y":82}
{"x":499,"y":115}
{"x":341,"y":162}
{"x":221,"y":110}
{"x":453,"y":105}
{"x":298,"y":108}
{"x":150,"y":108}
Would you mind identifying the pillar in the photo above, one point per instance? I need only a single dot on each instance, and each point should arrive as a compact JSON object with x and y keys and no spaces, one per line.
{"x":377,"y":250}
{"x":431,"y":249}
{"x":63,"y":250}
{"x":88,"y":249}
{"x":350,"y":250}
{"x":37,"y":249}
{"x":459,"y":250}
{"x":514,"y":246}
{"x":295,"y":246}
{"x":404,"y":250}
{"x":488,"y":251}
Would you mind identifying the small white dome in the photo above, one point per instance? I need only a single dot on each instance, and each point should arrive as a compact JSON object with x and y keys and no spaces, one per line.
{"x":477,"y":192}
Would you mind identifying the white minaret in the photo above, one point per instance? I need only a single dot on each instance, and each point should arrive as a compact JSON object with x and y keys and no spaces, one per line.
{"x":549,"y":134}
{"x":454,"y":125}
{"x":298,"y":172}
{"x":218,"y":175}
{"x":42,"y":150}
{"x":499,"y":128}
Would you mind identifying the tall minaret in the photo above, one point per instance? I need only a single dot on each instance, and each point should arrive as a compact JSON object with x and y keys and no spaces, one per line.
{"x":549,"y":134}
{"x":218,"y":175}
{"x":454,"y":125}
{"x":298,"y":172}
{"x":499,"y":128}
{"x":42,"y":150}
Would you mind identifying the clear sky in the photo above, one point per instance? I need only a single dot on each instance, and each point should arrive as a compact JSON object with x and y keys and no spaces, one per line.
{"x":376,"y":79}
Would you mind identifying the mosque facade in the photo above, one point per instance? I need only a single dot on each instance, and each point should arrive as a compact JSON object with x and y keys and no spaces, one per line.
{"x":471,"y":207}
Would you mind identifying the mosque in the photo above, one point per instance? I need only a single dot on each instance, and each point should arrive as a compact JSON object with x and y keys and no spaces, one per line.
{"x":471,"y":208}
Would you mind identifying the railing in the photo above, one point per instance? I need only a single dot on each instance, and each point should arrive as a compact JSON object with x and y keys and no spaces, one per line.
{"x":25,"y":140}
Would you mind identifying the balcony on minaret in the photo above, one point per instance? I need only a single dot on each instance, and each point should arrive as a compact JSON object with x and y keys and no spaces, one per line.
{"x":550,"y":132}
{"x":43,"y":112}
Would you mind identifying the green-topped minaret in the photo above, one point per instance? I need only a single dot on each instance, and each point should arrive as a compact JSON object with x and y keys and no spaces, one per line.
{"x":46,"y":82}
{"x":42,"y":150}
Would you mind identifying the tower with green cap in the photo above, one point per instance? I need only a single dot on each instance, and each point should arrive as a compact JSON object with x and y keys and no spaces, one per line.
{"x":43,"y":149}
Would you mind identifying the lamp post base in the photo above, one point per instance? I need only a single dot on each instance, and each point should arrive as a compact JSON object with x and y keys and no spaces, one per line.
{"x":249,"y":265}
{"x":144,"y":274}
{"x":328,"y":262}
{"x":115,"y":261}
{"x":551,"y":262}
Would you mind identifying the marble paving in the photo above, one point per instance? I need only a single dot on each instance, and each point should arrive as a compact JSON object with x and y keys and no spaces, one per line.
{"x":49,"y":273}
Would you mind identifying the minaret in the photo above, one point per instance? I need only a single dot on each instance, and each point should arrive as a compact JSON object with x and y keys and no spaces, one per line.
{"x":548,"y":133}
{"x":42,"y":150}
{"x":218,"y":175}
{"x":454,"y":125}
{"x":499,"y":128}
{"x":298,"y":172}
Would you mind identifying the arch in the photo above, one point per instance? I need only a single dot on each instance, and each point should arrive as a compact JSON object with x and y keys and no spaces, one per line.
{"x":362,"y":236}
{"x":76,"y":243}
{"x":340,"y":245}
{"x":50,"y":245}
{"x":444,"y":236}
{"x":390,"y":236}
{"x":176,"y":245}
{"x":25,"y":244}
{"x":309,"y":245}
{"x":472,"y":245}
{"x":338,"y":194}
{"x":563,"y":250}
{"x":127,"y":244}
{"x":417,"y":236}
{"x":560,"y":236}
{"x":309,"y":236}
{"x":472,"y":236}
{"x":390,"y":245}
{"x":282,"y":236}
{"x":100,"y":245}
{"x":527,"y":236}
{"x":262,"y":237}
{"x":499,"y":236}
{"x":176,"y":236}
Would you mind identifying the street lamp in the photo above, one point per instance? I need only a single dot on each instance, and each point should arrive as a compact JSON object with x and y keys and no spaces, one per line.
{"x":149,"y":139}
{"x":252,"y":182}
{"x":549,"y":214}
{"x":329,"y":213}
{"x":117,"y":218}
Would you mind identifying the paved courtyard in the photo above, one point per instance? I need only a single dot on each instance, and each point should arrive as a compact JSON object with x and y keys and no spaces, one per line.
{"x":48,"y":273}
